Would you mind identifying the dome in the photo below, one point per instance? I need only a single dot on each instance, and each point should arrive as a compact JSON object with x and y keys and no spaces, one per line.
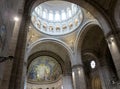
{"x":56,"y":17}
{"x":44,"y":69}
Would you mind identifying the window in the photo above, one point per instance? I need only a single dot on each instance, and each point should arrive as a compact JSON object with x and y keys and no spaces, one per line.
{"x":57,"y":16}
{"x":36,"y":10}
{"x":73,"y":11}
{"x":40,"y":11}
{"x":63,"y":15}
{"x":51,"y":16}
{"x":75,"y":8}
{"x":45,"y":14}
{"x":69,"y":12}
{"x":92,"y":64}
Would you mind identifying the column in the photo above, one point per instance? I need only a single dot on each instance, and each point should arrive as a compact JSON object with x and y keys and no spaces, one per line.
{"x":105,"y":74}
{"x":11,"y":46}
{"x":115,"y":52}
{"x":78,"y":77}
{"x":67,"y":82}
{"x":19,"y":65}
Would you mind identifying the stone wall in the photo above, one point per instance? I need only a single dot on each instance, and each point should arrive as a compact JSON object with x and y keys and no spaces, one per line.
{"x":8,"y":10}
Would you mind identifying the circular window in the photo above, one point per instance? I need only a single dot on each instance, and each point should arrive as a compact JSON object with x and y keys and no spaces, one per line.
{"x":92,"y":64}
{"x":44,"y":69}
{"x":56,"y":17}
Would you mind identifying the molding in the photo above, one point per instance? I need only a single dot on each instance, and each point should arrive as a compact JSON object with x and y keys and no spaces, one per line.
{"x":46,"y":53}
{"x":57,"y":41}
{"x":77,"y":66}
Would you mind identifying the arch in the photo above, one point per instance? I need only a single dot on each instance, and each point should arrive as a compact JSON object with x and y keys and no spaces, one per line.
{"x":51,"y":56}
{"x":83,"y":31}
{"x":46,"y":53}
{"x":102,"y":20}
{"x":82,"y":37}
{"x":56,"y":42}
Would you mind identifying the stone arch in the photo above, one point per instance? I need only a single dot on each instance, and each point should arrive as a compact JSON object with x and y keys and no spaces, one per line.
{"x":46,"y":53}
{"x":92,"y":72}
{"x":52,"y":46}
{"x":80,"y":37}
{"x":87,"y":48}
{"x":101,"y":19}
{"x":83,"y":31}
{"x":90,"y":33}
{"x":43,"y":40}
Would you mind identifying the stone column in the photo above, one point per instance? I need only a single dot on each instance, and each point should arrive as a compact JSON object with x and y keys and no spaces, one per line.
{"x":104,"y":75}
{"x":78,"y":77}
{"x":19,"y":65}
{"x":67,"y":82}
{"x":115,"y":52}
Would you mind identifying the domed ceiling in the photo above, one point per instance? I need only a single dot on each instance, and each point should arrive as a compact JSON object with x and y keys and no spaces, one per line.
{"x":56,"y":17}
{"x":44,"y":69}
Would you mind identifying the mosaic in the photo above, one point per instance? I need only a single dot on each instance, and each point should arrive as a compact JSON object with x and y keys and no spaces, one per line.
{"x":44,"y":69}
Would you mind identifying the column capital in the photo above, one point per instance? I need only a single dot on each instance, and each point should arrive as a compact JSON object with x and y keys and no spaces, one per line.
{"x":77,"y":66}
{"x":111,"y":36}
{"x":114,"y":47}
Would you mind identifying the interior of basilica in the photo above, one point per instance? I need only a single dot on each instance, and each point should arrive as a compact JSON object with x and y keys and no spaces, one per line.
{"x":59,"y":44}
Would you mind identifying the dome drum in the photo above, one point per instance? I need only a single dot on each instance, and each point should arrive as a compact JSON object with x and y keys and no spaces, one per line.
{"x":56,"y":22}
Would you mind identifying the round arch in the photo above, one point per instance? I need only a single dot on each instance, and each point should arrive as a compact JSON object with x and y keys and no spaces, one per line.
{"x":82,"y":33}
{"x":56,"y":41}
{"x":30,"y":5}
{"x":81,"y":36}
{"x":54,"y":46}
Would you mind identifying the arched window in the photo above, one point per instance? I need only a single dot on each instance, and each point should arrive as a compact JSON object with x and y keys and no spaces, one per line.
{"x":36,"y":10}
{"x":72,"y":6}
{"x":51,"y":16}
{"x":40,"y":11}
{"x":57,"y":16}
{"x":63,"y":15}
{"x":69,"y":12}
{"x":75,"y":8}
{"x":45,"y":14}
